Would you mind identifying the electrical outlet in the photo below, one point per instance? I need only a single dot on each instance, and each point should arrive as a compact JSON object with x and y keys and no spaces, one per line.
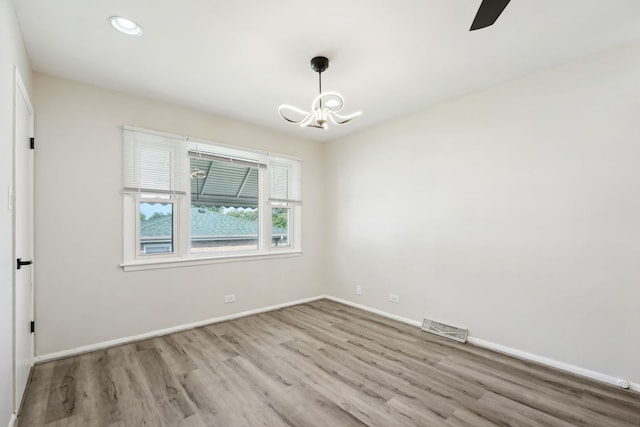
{"x":229,"y":298}
{"x":394,"y":298}
{"x":358,"y":290}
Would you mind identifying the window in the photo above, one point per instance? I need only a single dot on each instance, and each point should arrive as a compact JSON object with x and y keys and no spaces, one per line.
{"x":187,"y":200}
{"x":156,"y":227}
{"x":224,"y":204}
{"x":280,"y":225}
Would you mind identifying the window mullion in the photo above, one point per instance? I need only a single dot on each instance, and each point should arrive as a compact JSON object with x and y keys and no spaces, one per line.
{"x":184,"y":226}
{"x":264,"y":223}
{"x":295,"y":229}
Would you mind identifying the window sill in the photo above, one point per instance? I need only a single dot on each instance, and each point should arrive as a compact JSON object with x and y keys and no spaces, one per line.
{"x":173,"y":263}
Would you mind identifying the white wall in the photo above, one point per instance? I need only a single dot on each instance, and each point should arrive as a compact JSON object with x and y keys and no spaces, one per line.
{"x":82,"y":295}
{"x":514,"y":212}
{"x":12,"y":54}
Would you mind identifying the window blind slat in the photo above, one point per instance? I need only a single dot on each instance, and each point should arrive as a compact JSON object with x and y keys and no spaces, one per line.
{"x":279,"y":182}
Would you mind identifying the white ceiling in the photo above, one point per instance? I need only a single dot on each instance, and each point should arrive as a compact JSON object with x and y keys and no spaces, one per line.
{"x":241,"y":59}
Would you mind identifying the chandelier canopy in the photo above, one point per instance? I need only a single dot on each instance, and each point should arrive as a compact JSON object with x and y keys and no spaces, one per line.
{"x":324,"y":107}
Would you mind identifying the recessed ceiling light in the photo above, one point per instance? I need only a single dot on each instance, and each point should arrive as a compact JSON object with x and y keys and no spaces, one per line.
{"x":125,"y":25}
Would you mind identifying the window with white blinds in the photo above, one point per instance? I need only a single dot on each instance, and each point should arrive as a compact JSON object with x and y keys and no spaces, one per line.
{"x":154,"y":164}
{"x":187,"y":199}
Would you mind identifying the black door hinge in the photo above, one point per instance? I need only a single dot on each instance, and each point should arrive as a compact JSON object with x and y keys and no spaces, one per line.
{"x":32,"y":143}
{"x":20,"y":263}
{"x":33,"y":326}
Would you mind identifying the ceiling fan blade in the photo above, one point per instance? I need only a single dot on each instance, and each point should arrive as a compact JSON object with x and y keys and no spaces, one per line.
{"x":488,"y":12}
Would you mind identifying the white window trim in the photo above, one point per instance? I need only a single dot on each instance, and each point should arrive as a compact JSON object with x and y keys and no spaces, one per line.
{"x":173,"y":263}
{"x":133,"y":260}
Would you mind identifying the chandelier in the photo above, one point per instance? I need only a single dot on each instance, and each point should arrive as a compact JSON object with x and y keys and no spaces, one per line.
{"x":324,"y":107}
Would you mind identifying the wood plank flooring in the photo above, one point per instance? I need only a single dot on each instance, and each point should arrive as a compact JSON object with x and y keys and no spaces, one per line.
{"x":318,"y":364}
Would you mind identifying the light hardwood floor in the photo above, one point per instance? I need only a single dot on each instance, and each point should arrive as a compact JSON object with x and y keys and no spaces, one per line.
{"x":318,"y":364}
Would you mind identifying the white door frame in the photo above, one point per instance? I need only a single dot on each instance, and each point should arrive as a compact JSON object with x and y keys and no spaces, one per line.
{"x":21,"y":92}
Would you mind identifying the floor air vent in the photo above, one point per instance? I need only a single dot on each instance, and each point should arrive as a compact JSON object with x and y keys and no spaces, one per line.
{"x":444,"y":330}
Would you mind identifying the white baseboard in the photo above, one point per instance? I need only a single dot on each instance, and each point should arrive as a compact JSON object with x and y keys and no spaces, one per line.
{"x":375,"y":310}
{"x":12,"y":420}
{"x":598,"y":376}
{"x":583,"y":372}
{"x":112,"y":343}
